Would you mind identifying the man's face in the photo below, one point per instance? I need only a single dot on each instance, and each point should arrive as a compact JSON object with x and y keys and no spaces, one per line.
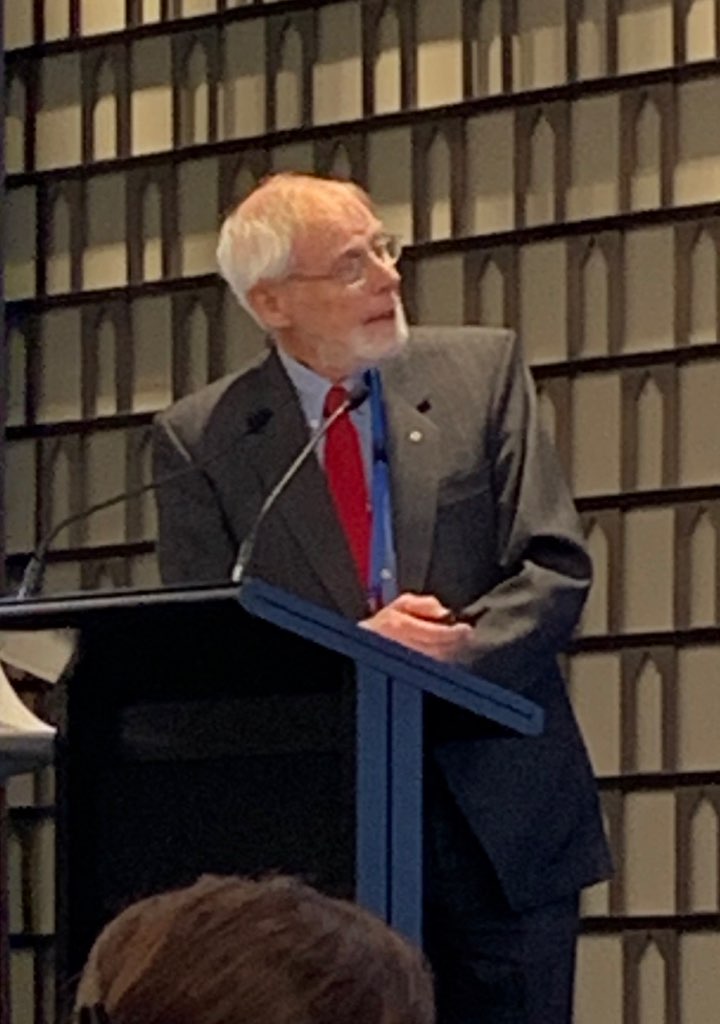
{"x":330,"y":322}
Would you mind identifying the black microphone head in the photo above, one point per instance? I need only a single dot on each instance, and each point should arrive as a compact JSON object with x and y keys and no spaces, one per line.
{"x":357,"y":396}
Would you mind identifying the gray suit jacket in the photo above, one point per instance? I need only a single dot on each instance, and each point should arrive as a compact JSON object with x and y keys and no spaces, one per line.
{"x":483,"y":520}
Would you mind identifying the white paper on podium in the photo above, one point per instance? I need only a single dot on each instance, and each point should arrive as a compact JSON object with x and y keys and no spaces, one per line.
{"x":44,"y":653}
{"x":26,"y":742}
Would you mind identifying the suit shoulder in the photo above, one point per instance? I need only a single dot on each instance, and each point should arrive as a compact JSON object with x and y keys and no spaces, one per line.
{"x":484,"y":347}
{"x":190,"y":416}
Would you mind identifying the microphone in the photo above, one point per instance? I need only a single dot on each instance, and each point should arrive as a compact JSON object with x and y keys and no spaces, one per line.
{"x":32,"y":577}
{"x":354,"y":400}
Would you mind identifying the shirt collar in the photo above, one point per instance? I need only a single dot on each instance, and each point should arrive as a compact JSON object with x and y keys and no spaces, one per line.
{"x":311,"y":387}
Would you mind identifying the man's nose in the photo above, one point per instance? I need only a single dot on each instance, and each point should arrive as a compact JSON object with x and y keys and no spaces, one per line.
{"x":382,"y":273}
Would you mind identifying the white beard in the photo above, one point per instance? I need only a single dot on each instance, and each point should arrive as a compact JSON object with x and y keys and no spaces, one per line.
{"x":366,"y":346}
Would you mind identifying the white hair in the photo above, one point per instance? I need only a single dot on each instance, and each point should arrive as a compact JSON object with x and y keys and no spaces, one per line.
{"x":256,"y":244}
{"x":251,"y":249}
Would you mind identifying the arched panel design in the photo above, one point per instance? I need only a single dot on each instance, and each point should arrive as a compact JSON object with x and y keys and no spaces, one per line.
{"x":105,"y":476}
{"x":648,"y":281}
{"x":596,"y":615}
{"x":104,"y":116}
{"x":20,"y":534}
{"x":543,"y":325}
{"x":152,"y":355}
{"x":698,"y":722}
{"x":196,"y":370}
{"x":648,"y":730}
{"x":700,"y":30}
{"x":697,"y":162}
{"x":439,"y":187}
{"x":594,"y":681}
{"x":388,"y":63}
{"x":59,"y":258}
{"x":59,"y":358}
{"x":592,"y":55}
{"x":439,"y":52}
{"x":599,"y":977}
{"x":645,"y":182}
{"x":150,"y":11}
{"x":540,"y":198}
{"x":289,"y":81}
{"x":645,"y":35}
{"x":105,"y":575}
{"x":390,"y":181}
{"x":648,"y":577}
{"x":197,"y":210}
{"x":58,"y":115}
{"x":141,"y":512}
{"x":704,"y":583}
{"x":489,"y":149}
{"x":17,"y":30}
{"x":491,"y":290}
{"x":340,"y":165}
{"x":60,"y":470}
{"x":56,"y":19}
{"x":20,"y":214}
{"x":196,"y":105}
{"x":540,"y":49}
{"x":650,"y":415}
{"x":595,"y":303}
{"x":152,"y":240}
{"x":105,"y":403}
{"x":337,"y":69}
{"x":151,"y":116}
{"x":547,"y":413}
{"x":16,"y":112}
{"x":243,"y":184}
{"x":699,"y":386}
{"x":244,"y":90}
{"x":108,"y":16}
{"x":649,"y":836}
{"x":652,"y":986}
{"x":17,"y":377}
{"x":487,"y":49}
{"x":595,"y":141}
{"x":104,"y":258}
{"x":704,"y":859}
{"x":704,"y":270}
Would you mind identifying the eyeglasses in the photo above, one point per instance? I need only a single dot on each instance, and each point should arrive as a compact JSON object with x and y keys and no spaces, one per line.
{"x":352,"y":267}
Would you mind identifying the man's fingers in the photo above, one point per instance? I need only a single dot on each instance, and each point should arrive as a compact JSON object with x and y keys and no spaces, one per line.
{"x":446,"y":643}
{"x":424,"y":606}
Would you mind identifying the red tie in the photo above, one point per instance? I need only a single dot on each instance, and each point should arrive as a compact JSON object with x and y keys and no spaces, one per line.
{"x":346,"y":479}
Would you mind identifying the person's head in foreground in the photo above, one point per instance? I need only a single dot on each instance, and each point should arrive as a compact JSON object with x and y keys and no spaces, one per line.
{"x":312,"y":263}
{"x":231,"y":950}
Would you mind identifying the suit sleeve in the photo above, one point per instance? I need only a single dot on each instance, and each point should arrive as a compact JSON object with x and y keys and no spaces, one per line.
{"x":546,"y":572}
{"x":194,"y":541}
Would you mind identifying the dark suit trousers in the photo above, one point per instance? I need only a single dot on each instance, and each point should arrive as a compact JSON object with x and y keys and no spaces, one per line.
{"x":492,"y":965}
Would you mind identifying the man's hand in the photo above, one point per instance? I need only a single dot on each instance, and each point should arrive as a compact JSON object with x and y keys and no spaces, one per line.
{"x":416,"y":620}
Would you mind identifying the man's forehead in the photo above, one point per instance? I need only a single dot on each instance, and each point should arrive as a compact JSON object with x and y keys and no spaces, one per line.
{"x":335,"y":225}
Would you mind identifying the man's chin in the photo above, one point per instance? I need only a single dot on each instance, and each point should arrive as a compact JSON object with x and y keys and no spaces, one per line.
{"x":380,"y":340}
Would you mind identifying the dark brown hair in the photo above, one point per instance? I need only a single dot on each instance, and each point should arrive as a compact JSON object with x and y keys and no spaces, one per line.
{"x":237,"y":951}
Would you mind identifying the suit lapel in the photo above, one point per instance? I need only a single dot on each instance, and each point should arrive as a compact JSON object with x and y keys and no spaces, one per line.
{"x":414,"y":454}
{"x":306,"y":508}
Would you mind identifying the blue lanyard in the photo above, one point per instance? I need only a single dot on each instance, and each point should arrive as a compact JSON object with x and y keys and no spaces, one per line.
{"x":383,"y":581}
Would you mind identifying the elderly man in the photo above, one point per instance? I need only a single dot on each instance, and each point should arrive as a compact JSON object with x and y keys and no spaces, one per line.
{"x":436,"y":515}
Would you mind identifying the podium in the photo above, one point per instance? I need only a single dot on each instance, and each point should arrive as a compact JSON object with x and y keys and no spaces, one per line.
{"x":202,"y":733}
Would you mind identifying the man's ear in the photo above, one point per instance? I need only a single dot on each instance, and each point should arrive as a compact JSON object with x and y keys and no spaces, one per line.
{"x":267,"y":303}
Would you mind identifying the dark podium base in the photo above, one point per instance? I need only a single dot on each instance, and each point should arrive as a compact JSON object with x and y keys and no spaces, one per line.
{"x":196,"y":740}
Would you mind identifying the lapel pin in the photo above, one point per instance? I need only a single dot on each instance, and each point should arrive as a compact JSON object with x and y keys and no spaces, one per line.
{"x":415,"y":435}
